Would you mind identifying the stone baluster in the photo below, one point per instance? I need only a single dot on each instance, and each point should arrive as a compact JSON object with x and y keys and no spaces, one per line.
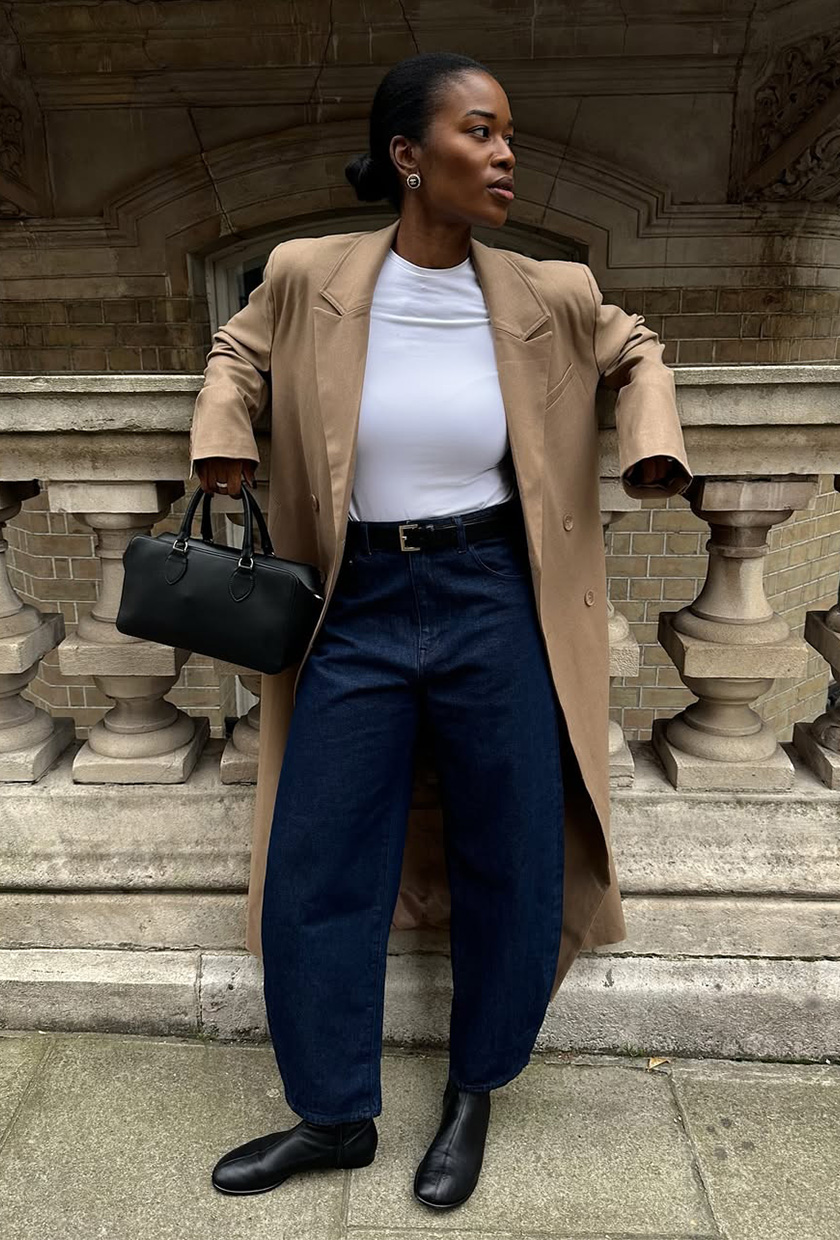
{"x":729,"y":645}
{"x":240,"y":756}
{"x":142,"y":738}
{"x":239,"y":759}
{"x":30,"y":739}
{"x":818,"y":743}
{"x":624,"y":649}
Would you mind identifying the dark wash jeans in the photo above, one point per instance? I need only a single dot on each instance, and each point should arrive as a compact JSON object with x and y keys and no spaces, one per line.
{"x":452,"y":633}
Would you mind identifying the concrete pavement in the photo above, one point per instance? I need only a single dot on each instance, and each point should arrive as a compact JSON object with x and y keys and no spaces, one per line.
{"x":114,"y":1136}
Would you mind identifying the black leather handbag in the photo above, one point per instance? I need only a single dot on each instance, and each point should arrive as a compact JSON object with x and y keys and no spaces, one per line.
{"x":247,"y":607}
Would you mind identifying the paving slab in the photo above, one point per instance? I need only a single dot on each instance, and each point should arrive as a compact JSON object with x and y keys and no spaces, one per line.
{"x":19,"y":1061}
{"x":767,"y":1138}
{"x":457,"y":1233}
{"x":119,"y":1135}
{"x":115,"y":1135}
{"x":571,"y":1152}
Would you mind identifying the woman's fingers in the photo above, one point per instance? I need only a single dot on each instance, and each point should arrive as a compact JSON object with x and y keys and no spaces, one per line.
{"x":655,"y":469}
{"x":202,"y":468}
{"x":233,"y":478}
{"x":242,"y":468}
{"x":216,"y":470}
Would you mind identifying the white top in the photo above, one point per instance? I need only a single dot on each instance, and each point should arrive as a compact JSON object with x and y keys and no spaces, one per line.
{"x":432,"y":430}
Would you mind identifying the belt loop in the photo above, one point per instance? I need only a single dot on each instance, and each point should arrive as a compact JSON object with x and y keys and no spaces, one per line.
{"x":365,"y":532}
{"x":462,"y":537}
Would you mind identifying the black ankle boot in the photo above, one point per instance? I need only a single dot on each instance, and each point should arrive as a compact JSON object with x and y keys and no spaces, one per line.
{"x":449,"y":1170}
{"x":266,"y":1162}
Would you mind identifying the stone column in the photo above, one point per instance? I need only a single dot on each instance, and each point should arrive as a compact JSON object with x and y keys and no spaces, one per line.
{"x":624,"y":649}
{"x":240,"y":755}
{"x":142,"y":738}
{"x":30,"y":739}
{"x":819,"y":742}
{"x":729,"y":645}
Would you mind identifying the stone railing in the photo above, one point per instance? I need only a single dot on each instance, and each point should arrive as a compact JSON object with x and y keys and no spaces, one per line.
{"x":113,"y":450}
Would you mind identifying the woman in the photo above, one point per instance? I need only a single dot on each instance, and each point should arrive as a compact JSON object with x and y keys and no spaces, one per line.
{"x":434,"y":399}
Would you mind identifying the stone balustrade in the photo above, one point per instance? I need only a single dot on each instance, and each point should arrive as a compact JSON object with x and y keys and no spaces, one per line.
{"x":113,"y":450}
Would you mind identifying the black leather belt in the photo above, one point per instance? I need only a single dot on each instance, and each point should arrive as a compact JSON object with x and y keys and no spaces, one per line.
{"x":436,"y":532}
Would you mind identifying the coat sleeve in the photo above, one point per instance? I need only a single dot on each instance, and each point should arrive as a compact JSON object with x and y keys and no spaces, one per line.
{"x":236,"y":379}
{"x":629,"y":359}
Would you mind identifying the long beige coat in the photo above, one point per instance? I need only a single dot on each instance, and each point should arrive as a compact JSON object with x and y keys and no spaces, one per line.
{"x":300,"y":345}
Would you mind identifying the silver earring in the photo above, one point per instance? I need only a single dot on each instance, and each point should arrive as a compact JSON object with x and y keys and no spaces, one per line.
{"x":413,"y":180}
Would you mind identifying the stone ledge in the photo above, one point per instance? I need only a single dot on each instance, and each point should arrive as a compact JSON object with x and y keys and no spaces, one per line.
{"x":722,"y":1007}
{"x":666,"y":842}
{"x":214,"y":921}
{"x":192,"y":835}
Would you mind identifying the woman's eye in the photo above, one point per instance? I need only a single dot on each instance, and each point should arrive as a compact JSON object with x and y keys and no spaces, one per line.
{"x":487,"y":129}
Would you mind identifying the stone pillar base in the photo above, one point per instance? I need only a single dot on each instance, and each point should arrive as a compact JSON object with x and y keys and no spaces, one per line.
{"x":824,"y":763}
{"x":175,"y":767}
{"x":622,"y":767}
{"x":28,"y":764}
{"x":237,"y":767}
{"x":689,"y":773}
{"x":240,"y":758}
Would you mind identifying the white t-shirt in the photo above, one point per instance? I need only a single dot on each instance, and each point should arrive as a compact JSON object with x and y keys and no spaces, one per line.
{"x":432,"y":430}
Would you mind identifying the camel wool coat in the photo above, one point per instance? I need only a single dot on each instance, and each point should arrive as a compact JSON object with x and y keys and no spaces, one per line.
{"x":297,"y":351}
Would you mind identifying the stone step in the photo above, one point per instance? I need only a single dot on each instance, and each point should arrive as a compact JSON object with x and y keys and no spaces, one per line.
{"x":722,"y":1006}
{"x":61,"y":836}
{"x":123,"y":908}
{"x":658,"y":925}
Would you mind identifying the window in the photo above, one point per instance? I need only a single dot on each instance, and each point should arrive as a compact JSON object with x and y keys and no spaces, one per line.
{"x":233,"y":275}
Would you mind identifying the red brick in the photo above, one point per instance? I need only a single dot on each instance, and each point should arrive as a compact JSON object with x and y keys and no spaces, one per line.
{"x":120,"y":311}
{"x":698,"y":300}
{"x":84,"y":311}
{"x":123,"y":359}
{"x":702,"y":326}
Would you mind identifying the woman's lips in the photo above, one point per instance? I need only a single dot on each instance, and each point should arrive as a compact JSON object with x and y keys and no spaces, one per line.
{"x":506,"y":194}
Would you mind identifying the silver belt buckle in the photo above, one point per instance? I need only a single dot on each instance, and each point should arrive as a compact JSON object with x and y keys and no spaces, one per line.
{"x":408,"y":525}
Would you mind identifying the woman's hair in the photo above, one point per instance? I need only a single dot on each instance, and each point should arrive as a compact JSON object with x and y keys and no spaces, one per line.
{"x":405,"y":103}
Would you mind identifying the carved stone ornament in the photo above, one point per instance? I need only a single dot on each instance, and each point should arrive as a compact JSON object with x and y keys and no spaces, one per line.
{"x":806,"y":77}
{"x":11,"y":153}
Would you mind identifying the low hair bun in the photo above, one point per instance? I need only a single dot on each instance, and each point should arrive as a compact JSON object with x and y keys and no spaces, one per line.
{"x":365,"y":174}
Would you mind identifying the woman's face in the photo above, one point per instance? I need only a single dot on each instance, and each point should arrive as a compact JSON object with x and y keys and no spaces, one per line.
{"x":468,"y":147}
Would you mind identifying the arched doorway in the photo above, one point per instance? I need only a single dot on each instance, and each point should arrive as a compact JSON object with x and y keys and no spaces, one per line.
{"x":233,"y":273}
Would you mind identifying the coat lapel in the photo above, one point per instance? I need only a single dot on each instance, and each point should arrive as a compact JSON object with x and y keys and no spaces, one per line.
{"x":517,"y":313}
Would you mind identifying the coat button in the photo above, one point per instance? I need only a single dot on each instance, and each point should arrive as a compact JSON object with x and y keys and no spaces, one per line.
{"x":568,"y":521}
{"x":589,"y":597}
{"x":315,"y":503}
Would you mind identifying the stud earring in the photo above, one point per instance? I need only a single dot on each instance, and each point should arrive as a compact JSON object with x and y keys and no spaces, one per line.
{"x":413,"y":180}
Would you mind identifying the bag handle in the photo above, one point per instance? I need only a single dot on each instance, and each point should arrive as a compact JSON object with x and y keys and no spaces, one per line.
{"x":262,"y":526}
{"x":251,"y":512}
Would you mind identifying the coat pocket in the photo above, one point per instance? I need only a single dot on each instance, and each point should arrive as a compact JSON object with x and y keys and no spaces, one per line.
{"x":556,"y":391}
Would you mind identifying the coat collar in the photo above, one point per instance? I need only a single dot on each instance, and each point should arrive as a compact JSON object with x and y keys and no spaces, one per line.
{"x":514,"y":305}
{"x":341,"y":326}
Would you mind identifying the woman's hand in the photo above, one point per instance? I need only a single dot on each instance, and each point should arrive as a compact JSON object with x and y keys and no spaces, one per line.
{"x":655,"y":471}
{"x":220,"y":475}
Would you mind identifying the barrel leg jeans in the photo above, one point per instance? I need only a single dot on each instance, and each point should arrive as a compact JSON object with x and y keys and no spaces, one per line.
{"x":450,"y":636}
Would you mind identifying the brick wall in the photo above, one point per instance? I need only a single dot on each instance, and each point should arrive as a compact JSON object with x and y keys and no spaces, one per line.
{"x":656,"y":561}
{"x":52,"y":565}
{"x":697,"y":325}
{"x":747,"y":325}
{"x":104,"y":334}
